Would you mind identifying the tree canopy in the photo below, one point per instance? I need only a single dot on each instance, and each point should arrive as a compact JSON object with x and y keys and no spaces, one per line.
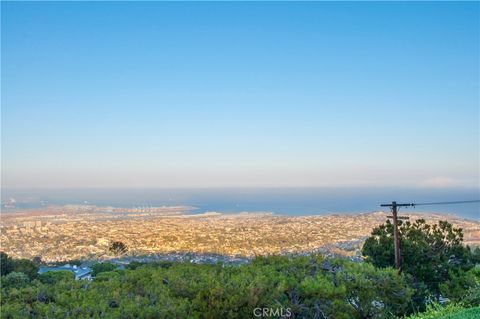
{"x":25,"y":266}
{"x":309,"y":286}
{"x":432,"y":255}
{"x":102,"y":267}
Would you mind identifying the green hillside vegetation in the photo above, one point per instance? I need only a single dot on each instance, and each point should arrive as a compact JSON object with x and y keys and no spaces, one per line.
{"x":473,"y":313}
{"x":451,"y":311}
{"x":310,"y":286}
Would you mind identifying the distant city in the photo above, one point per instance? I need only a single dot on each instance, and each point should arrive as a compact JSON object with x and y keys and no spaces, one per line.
{"x":57,"y":233}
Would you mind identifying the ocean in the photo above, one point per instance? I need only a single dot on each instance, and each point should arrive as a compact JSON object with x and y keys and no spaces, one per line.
{"x":282,"y":201}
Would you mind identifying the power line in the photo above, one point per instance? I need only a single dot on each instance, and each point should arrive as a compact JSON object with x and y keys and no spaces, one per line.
{"x":435,"y":203}
{"x":448,"y":203}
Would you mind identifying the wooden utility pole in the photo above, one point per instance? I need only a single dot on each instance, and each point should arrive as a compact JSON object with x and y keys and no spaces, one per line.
{"x":396,"y":237}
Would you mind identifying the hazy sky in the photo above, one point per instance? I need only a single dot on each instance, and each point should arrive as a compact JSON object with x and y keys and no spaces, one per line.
{"x":240,"y":94}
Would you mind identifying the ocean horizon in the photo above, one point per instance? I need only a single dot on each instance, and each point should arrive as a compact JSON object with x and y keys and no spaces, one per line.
{"x":296,"y":201}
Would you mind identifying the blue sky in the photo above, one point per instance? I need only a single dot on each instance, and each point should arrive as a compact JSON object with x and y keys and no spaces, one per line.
{"x":240,"y":94}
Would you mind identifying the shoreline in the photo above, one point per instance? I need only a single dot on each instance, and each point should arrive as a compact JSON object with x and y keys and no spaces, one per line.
{"x":185,"y":212}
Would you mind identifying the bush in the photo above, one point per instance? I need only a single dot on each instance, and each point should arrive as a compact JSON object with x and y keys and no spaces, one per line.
{"x":6,"y":264}
{"x":54,"y":277}
{"x":106,"y":276}
{"x":25,"y":266}
{"x":308,"y":286}
{"x":459,"y":285}
{"x":472,"y":297}
{"x":432,"y":255}
{"x":450,"y":311}
{"x":15,"y":280}
{"x":102,"y":267}
{"x":134,"y":265}
{"x":472,"y":313}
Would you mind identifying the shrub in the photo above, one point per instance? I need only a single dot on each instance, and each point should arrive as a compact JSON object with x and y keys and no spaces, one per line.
{"x":450,"y":311}
{"x":54,"y":277}
{"x":15,"y":280}
{"x":102,"y":267}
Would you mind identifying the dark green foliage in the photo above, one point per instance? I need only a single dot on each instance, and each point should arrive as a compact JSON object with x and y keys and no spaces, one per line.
{"x":15,"y":280}
{"x":472,"y":296}
{"x":432,"y":255}
{"x":162,"y":264}
{"x":6,"y":264}
{"x":309,"y":286}
{"x":476,"y":255}
{"x":102,"y":267}
{"x":26,"y":266}
{"x":53,"y":277}
{"x":459,"y":284}
{"x":134,"y":265}
{"x":369,"y":293}
{"x":459,"y":287}
{"x":107,"y":275}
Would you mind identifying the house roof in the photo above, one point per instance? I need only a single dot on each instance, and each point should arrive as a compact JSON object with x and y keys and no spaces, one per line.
{"x":77,"y":271}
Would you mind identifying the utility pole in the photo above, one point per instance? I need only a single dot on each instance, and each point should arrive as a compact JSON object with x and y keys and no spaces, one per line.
{"x":396,"y":238}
